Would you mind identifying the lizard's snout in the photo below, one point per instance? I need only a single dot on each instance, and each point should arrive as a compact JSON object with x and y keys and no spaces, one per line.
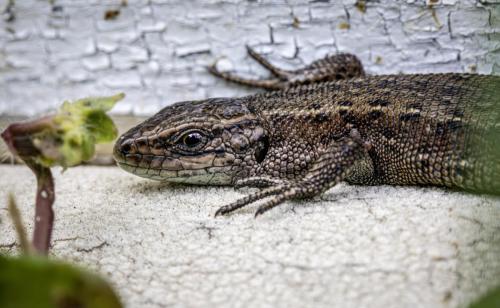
{"x":137,"y":152}
{"x":122,"y":148}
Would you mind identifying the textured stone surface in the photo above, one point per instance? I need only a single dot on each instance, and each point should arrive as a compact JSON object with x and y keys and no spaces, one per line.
{"x":352,"y":247}
{"x":156,"y":51}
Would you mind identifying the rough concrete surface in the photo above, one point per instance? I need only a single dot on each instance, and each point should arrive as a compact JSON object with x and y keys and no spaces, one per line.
{"x":352,"y":247}
{"x":156,"y":50}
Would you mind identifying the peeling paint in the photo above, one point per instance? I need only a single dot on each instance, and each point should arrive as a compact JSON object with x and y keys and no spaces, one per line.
{"x":53,"y":52}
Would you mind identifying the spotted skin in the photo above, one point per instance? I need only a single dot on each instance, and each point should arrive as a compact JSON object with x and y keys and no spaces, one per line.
{"x":434,"y":129}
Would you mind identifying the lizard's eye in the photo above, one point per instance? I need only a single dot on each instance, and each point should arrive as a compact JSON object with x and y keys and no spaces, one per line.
{"x":192,"y":140}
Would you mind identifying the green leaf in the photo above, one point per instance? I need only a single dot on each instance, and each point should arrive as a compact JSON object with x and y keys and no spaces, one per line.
{"x":39,"y":282}
{"x":103,"y":104}
{"x":101,"y":126}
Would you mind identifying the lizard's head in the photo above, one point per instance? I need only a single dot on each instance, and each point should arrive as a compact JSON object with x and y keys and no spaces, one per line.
{"x":207,"y":142}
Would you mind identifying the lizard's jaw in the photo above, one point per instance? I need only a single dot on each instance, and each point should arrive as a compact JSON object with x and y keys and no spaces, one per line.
{"x":197,"y":177}
{"x":191,"y":170}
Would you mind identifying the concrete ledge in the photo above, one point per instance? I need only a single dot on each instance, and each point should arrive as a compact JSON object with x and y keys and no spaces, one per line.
{"x":353,"y":247}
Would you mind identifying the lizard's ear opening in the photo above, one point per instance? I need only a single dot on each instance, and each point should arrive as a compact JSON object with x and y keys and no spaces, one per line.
{"x":261,"y":148}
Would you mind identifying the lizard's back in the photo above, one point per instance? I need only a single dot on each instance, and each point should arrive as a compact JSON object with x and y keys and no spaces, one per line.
{"x":441,"y":129}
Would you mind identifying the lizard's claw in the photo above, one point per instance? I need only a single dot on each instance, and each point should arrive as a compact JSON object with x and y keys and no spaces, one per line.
{"x":250,"y":199}
{"x":221,"y":211}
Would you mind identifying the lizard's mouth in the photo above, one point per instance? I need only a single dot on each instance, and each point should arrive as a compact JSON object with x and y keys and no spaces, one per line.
{"x":198,"y":176}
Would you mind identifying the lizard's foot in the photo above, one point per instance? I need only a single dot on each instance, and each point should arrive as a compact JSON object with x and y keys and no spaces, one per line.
{"x":279,"y":194}
{"x":336,"y":67}
{"x":249,"y":199}
{"x":278,"y":82}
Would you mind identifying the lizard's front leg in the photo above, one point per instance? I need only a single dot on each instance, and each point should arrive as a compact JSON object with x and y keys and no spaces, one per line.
{"x":331,"y":167}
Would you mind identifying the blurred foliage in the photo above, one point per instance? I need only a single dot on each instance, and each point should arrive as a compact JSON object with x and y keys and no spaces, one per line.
{"x":28,"y":282}
{"x":489,"y":300}
{"x":78,"y":126}
{"x":66,"y":138}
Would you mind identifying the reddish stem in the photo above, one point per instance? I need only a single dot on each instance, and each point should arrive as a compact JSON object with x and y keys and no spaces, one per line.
{"x":18,"y":137}
{"x":44,"y":214}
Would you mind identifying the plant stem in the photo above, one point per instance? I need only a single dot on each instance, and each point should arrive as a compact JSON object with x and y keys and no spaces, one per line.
{"x":44,"y":214}
{"x":19,"y":139}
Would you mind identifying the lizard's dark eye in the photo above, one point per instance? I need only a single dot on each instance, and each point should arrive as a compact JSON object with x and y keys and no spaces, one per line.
{"x":191,"y":140}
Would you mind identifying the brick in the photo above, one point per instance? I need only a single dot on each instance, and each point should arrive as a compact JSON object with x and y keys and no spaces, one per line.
{"x":184,"y":33}
{"x":97,"y":62}
{"x":70,"y":49}
{"x":127,"y":57}
{"x":151,"y":26}
{"x":107,"y":45}
{"x":183,"y":51}
{"x":469,"y":21}
{"x":121,"y":80}
{"x":149,"y":68}
{"x":332,"y":12}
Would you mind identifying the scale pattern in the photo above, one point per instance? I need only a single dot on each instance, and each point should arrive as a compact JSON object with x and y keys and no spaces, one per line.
{"x":428,"y":129}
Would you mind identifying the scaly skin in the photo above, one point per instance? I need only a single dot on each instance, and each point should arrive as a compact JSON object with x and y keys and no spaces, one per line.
{"x":436,"y":129}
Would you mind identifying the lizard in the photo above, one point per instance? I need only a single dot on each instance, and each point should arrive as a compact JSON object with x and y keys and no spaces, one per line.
{"x":322,"y":124}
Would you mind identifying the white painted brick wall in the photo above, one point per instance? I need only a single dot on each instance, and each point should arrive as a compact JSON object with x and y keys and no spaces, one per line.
{"x":155,"y":51}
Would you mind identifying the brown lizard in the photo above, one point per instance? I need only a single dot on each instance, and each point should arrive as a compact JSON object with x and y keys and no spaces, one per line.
{"x":326,"y":123}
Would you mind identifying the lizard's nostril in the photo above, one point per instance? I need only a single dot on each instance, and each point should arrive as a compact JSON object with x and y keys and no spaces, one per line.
{"x":126,"y":146}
